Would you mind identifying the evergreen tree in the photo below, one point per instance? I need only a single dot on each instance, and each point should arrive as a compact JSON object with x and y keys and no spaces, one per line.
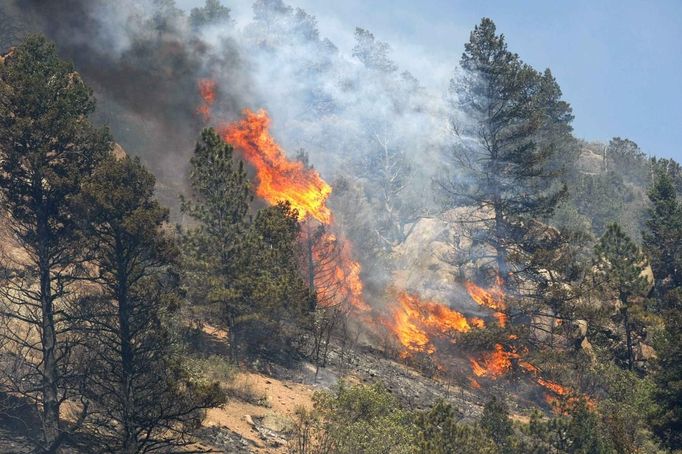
{"x":372,"y":53}
{"x":439,"y":432}
{"x":47,"y":147}
{"x":619,"y":266}
{"x":506,"y":143}
{"x":662,"y":237}
{"x":141,"y":397}
{"x":271,"y":280}
{"x":496,"y":423}
{"x":667,"y":420}
{"x":214,"y":250}
{"x":213,"y":12}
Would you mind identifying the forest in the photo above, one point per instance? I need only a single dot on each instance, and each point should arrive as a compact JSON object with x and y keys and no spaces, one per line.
{"x":223,"y":238}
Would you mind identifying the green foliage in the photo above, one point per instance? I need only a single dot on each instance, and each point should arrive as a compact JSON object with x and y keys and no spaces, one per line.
{"x":624,"y":409}
{"x":271,"y":282}
{"x":619,"y":271}
{"x":579,"y":432}
{"x":440,"y":432}
{"x":495,"y":422}
{"x":602,"y":198}
{"x":662,"y":237}
{"x":214,"y":249}
{"x":246,"y":269}
{"x":47,"y":142}
{"x":624,"y":157}
{"x":667,"y":419}
{"x":365,"y":418}
{"x":136,"y":377}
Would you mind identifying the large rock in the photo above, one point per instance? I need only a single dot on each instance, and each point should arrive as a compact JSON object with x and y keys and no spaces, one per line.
{"x":437,"y":256}
{"x":644,"y":352}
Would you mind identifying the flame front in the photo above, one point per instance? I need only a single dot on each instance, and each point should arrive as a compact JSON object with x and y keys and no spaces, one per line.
{"x":207,"y":91}
{"x":278,"y":177}
{"x":416,"y":320}
{"x":493,"y":298}
{"x":493,"y":364}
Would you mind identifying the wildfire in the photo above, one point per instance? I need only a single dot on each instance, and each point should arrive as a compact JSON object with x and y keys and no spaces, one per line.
{"x":207,"y":90}
{"x":492,"y":298}
{"x":414,"y":319}
{"x":281,"y":179}
{"x":278,"y":177}
{"x":493,"y":364}
{"x":338,"y":280}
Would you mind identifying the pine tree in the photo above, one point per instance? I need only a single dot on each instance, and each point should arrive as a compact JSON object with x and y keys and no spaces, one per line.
{"x":47,"y":147}
{"x":372,"y":53}
{"x":440,"y":432}
{"x":508,"y":120}
{"x":667,"y":420}
{"x":271,"y":281}
{"x":619,"y":266}
{"x":496,"y":423}
{"x":141,"y":397}
{"x":214,"y":250}
{"x":662,"y":237}
{"x":213,"y":12}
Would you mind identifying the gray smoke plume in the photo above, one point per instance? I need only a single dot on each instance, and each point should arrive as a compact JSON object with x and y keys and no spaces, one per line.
{"x":144,"y":60}
{"x":372,"y":130}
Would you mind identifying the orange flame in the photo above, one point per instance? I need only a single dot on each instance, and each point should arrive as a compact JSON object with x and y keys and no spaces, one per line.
{"x":278,"y":177}
{"x":207,"y":90}
{"x":492,"y":298}
{"x":414,"y":319}
{"x":493,"y":364}
{"x":338,"y":280}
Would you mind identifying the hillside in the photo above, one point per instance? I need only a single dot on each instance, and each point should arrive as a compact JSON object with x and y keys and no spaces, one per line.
{"x":224,"y":234}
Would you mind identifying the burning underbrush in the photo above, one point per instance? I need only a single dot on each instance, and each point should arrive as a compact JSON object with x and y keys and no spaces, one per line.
{"x":422,"y":330}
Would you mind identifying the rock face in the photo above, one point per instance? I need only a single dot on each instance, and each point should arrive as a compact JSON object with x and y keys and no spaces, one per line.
{"x":437,"y":256}
{"x":645,"y":352}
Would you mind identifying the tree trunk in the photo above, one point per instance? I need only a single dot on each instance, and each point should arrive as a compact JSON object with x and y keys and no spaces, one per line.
{"x":50,"y":376}
{"x":628,"y":337}
{"x":129,"y":438}
{"x":500,"y":252}
{"x":232,"y":336}
{"x":311,"y":269}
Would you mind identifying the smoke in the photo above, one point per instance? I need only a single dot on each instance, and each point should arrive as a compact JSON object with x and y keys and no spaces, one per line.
{"x":143,"y":59}
{"x":370,"y":128}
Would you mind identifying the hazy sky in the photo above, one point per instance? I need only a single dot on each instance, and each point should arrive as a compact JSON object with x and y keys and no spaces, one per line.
{"x":618,"y":62}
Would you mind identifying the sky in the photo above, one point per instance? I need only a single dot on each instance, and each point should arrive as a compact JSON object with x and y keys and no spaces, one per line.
{"x":618,"y":62}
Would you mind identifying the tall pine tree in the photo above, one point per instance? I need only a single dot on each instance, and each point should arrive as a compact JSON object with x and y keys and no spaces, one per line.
{"x":214,"y":249}
{"x":508,"y":120}
{"x":619,"y":269}
{"x":47,"y":146}
{"x":141,"y":397}
{"x":662,"y":237}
